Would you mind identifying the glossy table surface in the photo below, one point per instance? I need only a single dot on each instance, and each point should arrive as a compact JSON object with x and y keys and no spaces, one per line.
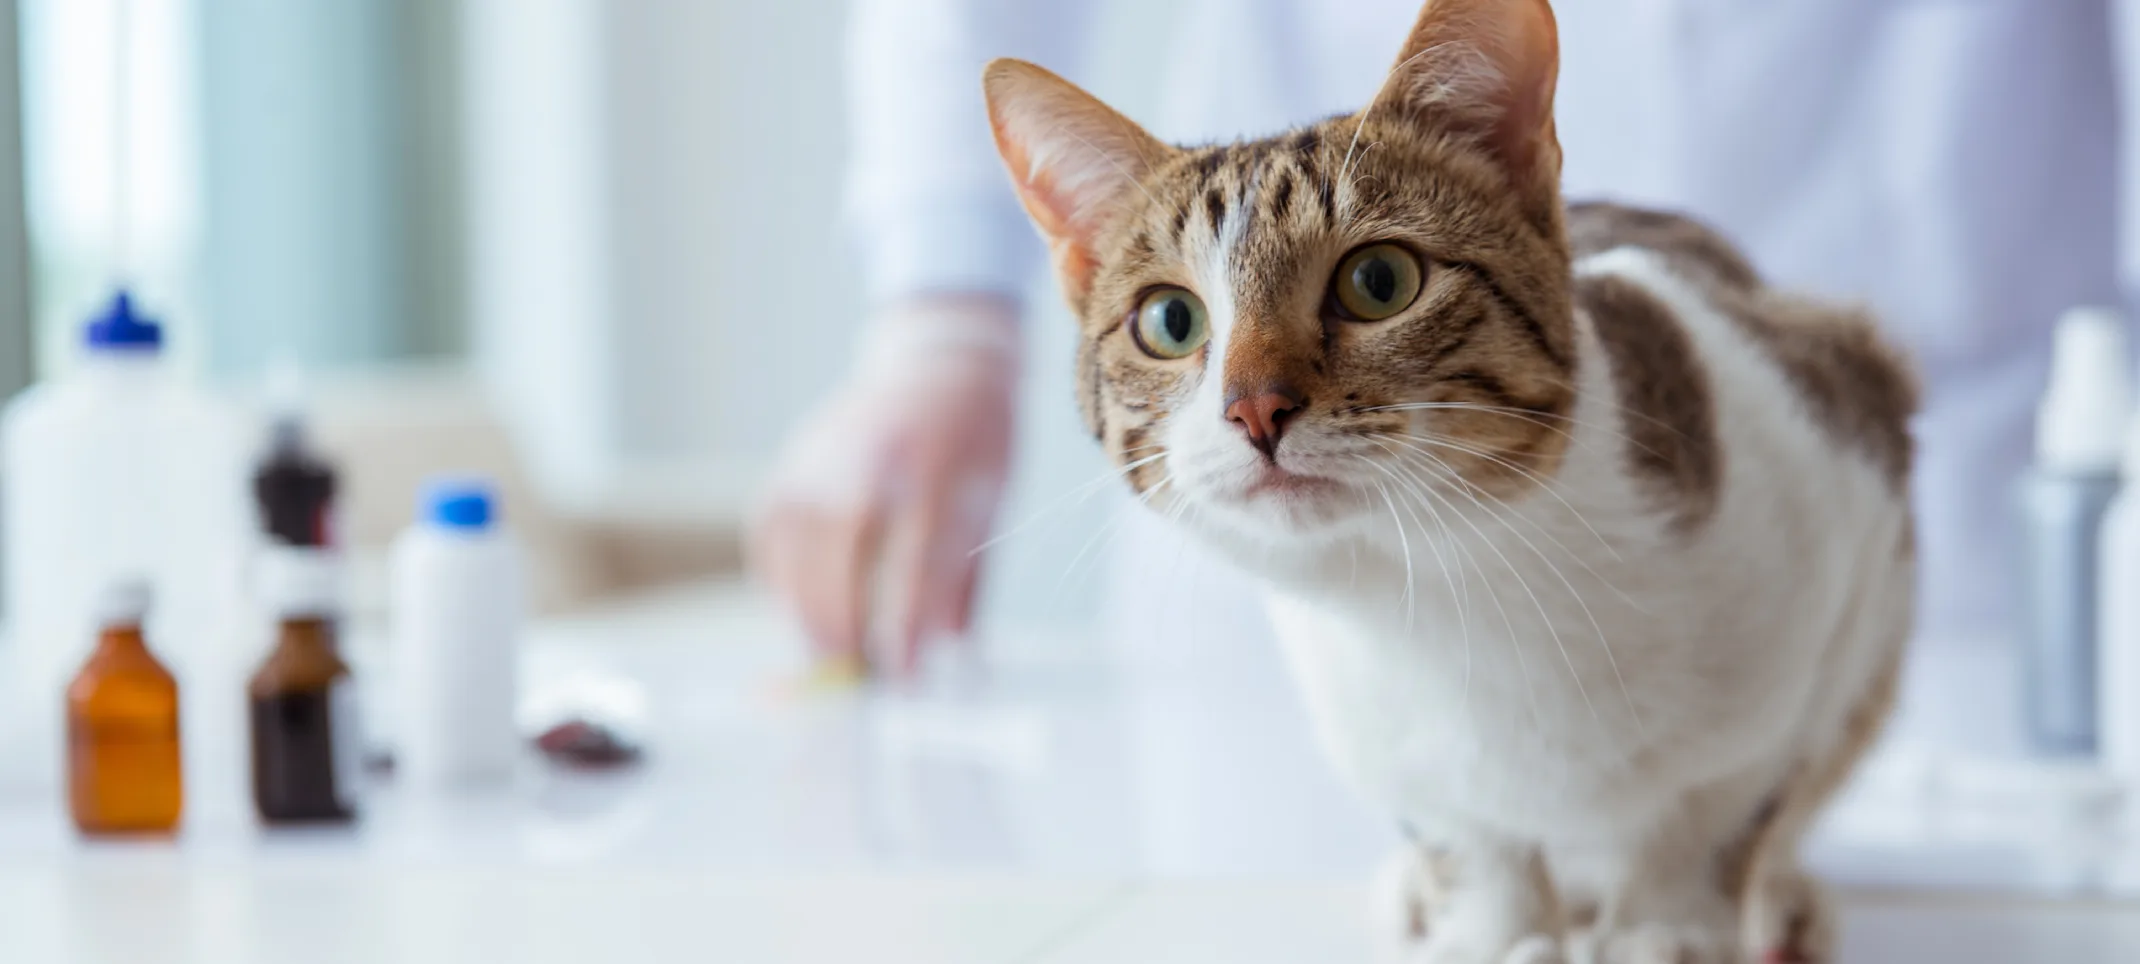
{"x":1045,"y":802}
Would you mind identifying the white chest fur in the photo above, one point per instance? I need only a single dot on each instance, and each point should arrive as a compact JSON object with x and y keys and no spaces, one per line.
{"x":1561,"y":666}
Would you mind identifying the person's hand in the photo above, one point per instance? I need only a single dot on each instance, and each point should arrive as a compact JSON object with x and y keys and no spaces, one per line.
{"x":883,"y":495}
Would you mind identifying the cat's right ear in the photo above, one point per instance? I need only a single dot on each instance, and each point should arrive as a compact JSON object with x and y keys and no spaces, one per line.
{"x":1489,"y":66}
{"x":1076,"y":163}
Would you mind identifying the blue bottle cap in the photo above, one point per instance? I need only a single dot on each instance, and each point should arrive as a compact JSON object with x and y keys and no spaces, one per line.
{"x":119,"y":328}
{"x":459,"y":503}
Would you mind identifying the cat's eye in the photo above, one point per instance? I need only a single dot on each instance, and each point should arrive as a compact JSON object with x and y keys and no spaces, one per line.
{"x":1377,"y":281}
{"x":1170,"y":323}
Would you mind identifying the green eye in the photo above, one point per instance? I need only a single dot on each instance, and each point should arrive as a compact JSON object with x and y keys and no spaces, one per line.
{"x":1377,"y":281}
{"x":1171,"y":323}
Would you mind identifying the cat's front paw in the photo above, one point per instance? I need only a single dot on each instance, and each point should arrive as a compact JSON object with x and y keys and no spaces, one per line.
{"x":1656,"y":944}
{"x":1535,"y":949}
{"x":1407,"y":894}
{"x":1789,"y":920}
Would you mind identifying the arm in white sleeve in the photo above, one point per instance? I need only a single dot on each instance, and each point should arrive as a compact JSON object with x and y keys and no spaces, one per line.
{"x":2125,"y":56}
{"x":926,"y":195}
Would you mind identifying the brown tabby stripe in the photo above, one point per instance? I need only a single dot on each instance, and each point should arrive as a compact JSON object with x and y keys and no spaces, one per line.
{"x":1487,"y":385}
{"x":1310,"y":169}
{"x":1664,"y":393}
{"x":1282,"y":196}
{"x":1857,"y":388}
{"x":1215,"y":209}
{"x":1688,"y":245}
{"x":1523,"y":315}
{"x":1090,"y":394}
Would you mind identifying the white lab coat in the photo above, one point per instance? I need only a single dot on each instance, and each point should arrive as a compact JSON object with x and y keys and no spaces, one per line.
{"x":1954,"y":163}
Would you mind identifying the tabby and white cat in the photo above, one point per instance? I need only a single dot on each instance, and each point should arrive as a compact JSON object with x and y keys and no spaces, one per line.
{"x":1590,"y":551}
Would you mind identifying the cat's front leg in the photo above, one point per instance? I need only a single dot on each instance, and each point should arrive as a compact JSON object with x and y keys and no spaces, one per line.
{"x":1789,"y":917}
{"x":1665,"y":904}
{"x":1478,"y":901}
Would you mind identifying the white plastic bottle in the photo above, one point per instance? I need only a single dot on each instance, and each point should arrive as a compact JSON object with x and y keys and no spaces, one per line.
{"x":116,"y":468}
{"x":2118,"y":695}
{"x":458,"y":609}
{"x":2080,"y":438}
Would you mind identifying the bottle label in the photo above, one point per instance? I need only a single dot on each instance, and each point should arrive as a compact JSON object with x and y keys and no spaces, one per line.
{"x":346,"y":727}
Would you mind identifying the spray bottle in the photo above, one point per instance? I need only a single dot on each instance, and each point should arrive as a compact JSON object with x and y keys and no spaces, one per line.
{"x":2118,"y":695}
{"x":2080,"y":430}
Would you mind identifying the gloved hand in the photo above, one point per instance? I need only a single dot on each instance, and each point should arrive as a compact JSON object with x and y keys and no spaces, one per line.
{"x":882,"y":496}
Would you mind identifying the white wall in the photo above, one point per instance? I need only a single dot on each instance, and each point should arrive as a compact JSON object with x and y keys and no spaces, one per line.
{"x":301,"y":193}
{"x":652,"y":202}
{"x":539,"y":257}
{"x":660,"y":280}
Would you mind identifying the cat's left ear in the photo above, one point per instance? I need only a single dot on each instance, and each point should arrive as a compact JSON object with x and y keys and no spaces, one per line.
{"x":1488,"y":66}
{"x":1077,"y":164}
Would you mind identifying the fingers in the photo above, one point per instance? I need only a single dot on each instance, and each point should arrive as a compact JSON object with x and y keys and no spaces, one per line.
{"x":923,"y":572}
{"x":947,"y":522}
{"x":818,"y":557}
{"x":960,"y":618}
{"x":879,"y":504}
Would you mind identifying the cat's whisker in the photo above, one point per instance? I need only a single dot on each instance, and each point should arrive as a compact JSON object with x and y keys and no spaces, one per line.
{"x":1624,"y":412}
{"x":1460,"y":597}
{"x":1533,"y":416}
{"x":1414,"y":441}
{"x":1108,"y":531}
{"x":1552,"y":627}
{"x":1405,"y":543}
{"x":1431,"y":543}
{"x":1573,"y":593}
{"x":1493,"y":595}
{"x":1578,"y":596}
{"x":1547,"y":485}
{"x":1082,"y":491}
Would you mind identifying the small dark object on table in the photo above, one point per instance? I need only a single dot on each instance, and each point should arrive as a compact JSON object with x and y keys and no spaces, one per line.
{"x":586,"y":745}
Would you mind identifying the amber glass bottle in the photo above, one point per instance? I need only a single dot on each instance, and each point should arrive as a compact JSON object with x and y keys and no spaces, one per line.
{"x":123,"y":769}
{"x":305,"y":747}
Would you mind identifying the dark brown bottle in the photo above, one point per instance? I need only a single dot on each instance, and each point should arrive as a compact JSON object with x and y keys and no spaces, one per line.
{"x":305,"y":747}
{"x":123,"y":764}
{"x":294,"y":489}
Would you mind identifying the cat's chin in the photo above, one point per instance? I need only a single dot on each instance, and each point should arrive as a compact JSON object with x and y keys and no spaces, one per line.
{"x":1277,"y":505}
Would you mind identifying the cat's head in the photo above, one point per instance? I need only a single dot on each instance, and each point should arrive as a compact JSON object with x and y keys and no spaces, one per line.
{"x":1297,"y":334}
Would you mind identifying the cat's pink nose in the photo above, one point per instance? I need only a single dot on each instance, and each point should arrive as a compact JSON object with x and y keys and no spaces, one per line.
{"x":1263,"y":417}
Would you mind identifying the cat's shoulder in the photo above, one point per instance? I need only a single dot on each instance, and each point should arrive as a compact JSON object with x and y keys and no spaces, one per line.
{"x":1857,"y":385}
{"x":1689,"y":247}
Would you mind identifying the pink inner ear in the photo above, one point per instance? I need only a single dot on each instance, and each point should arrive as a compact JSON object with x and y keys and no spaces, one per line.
{"x":1052,"y":212}
{"x":1071,"y":159}
{"x":1520,"y":43}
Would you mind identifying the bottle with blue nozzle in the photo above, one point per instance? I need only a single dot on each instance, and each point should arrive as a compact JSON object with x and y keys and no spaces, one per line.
{"x":458,"y":605}
{"x":116,"y":466}
{"x":119,"y":331}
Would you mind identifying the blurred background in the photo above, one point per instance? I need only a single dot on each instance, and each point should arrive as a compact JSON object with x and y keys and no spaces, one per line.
{"x":578,"y":238}
{"x":597,"y":252}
